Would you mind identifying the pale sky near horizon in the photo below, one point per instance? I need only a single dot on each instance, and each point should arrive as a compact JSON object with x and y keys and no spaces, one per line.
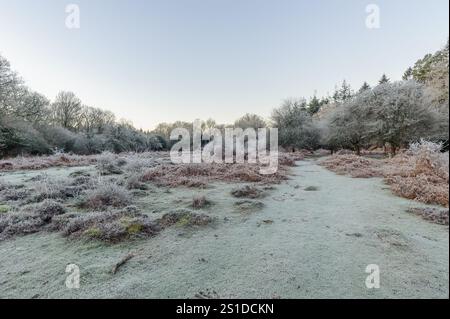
{"x":160,"y":61}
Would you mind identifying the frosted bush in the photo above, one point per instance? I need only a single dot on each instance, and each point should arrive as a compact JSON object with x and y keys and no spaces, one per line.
{"x":107,"y":163}
{"x":107,"y":194}
{"x":428,"y":156}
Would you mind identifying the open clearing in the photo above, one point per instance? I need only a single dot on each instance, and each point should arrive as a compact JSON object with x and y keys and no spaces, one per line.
{"x":309,"y":237}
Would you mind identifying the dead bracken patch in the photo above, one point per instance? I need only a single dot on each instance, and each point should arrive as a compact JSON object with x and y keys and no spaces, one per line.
{"x":353,"y":165}
{"x":42,"y":162}
{"x":435,"y":215}
{"x":420,"y":173}
{"x":199,"y":175}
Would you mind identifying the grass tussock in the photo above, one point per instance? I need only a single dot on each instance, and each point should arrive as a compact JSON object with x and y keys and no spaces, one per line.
{"x":311,"y":189}
{"x":247,"y":191}
{"x":248,"y":206}
{"x":199,"y":202}
{"x":106,"y":194}
{"x":185,"y":219}
{"x":109,"y":227}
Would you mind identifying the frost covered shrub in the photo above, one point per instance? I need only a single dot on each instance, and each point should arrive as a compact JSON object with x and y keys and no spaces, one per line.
{"x":51,"y":188}
{"x":4,"y":186}
{"x":46,"y":210}
{"x":30,"y":219}
{"x":59,"y":137}
{"x":421,"y":173}
{"x":137,"y":162}
{"x":20,"y":137}
{"x":134,"y":182}
{"x":107,"y":194}
{"x":107,"y":164}
{"x":429,"y":158}
{"x":14,"y":193}
{"x":109,"y":227}
{"x":296,"y":127}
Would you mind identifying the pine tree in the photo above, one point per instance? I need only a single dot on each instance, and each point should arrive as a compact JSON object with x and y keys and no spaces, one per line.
{"x":364,"y":87}
{"x":384,"y":79}
{"x":345,"y":91}
{"x":314,"y":105}
{"x":408,"y":75}
{"x":336,"y":95}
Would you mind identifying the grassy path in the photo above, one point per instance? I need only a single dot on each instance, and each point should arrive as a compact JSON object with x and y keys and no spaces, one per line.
{"x":301,"y":244}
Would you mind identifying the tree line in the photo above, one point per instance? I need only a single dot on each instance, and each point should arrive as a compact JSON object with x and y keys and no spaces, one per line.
{"x":392,"y":113}
{"x":31,"y":124}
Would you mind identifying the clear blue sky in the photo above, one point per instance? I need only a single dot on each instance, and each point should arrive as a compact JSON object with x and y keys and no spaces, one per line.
{"x":154,"y":61}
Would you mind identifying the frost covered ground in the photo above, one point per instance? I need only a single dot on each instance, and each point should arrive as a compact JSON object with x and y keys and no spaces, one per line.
{"x":309,"y":237}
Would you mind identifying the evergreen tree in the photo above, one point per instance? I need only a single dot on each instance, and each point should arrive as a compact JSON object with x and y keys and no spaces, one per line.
{"x":384,"y":79}
{"x":408,"y":75}
{"x":364,"y":87}
{"x":314,"y":105}
{"x":342,"y":94}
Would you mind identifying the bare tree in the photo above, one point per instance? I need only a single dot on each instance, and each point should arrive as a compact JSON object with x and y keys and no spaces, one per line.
{"x":250,"y":121}
{"x":66,"y":110}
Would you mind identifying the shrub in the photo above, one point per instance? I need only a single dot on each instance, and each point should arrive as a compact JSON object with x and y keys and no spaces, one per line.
{"x":107,"y":164}
{"x":134,"y":182}
{"x":49,"y":188}
{"x":30,"y":219}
